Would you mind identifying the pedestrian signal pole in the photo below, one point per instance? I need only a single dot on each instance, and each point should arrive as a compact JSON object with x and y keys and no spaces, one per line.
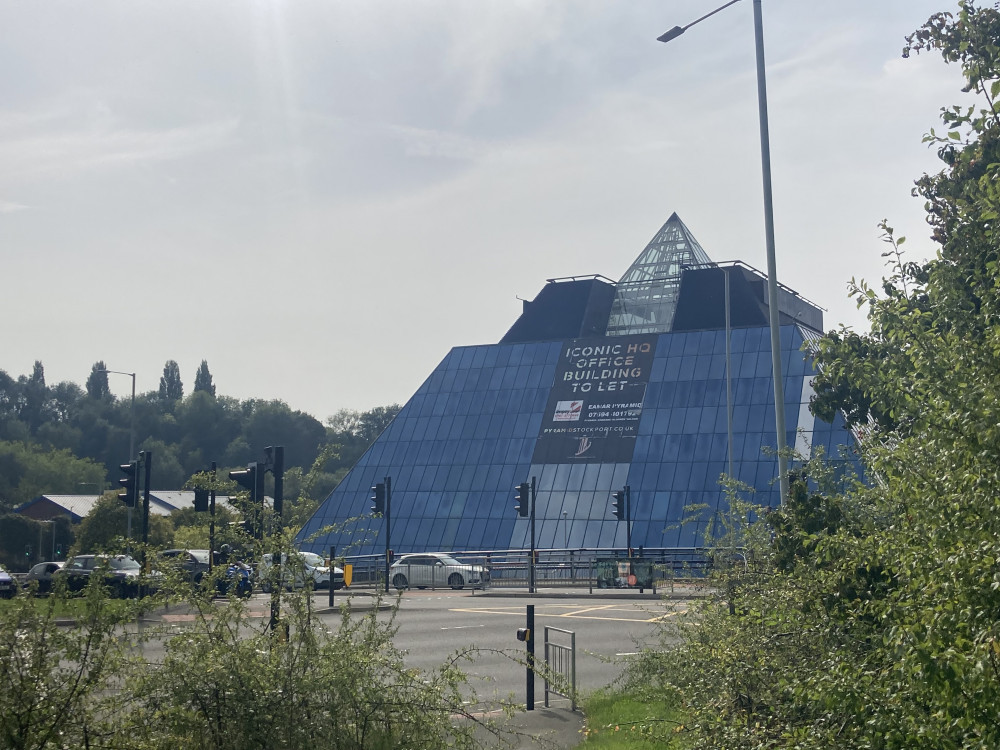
{"x":525,"y":506}
{"x":382,"y":503}
{"x":621,"y":508}
{"x":147,"y":468}
{"x":531,"y":569}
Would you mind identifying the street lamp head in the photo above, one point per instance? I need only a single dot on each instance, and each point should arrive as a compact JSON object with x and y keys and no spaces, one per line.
{"x":666,"y":36}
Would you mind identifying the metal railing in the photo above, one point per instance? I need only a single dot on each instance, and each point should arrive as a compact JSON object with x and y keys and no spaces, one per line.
{"x":560,"y":660}
{"x":554,"y":568}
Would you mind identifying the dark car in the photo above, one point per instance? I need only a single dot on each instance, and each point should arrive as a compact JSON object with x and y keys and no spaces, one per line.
{"x":194,"y":562}
{"x":7,"y":585}
{"x":233,"y":575}
{"x":40,"y":576}
{"x":121,"y":573}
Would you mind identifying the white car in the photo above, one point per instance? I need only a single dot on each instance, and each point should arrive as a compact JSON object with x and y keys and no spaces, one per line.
{"x":297,"y":569}
{"x":436,"y":570}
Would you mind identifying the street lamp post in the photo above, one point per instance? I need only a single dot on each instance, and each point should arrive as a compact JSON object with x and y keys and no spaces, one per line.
{"x":772,"y":274}
{"x":131,"y":416}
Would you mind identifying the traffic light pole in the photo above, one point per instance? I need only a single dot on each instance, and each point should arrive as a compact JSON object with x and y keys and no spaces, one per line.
{"x":275,"y":462}
{"x":628,"y":519}
{"x":252,"y":479}
{"x":211,"y":523}
{"x":531,"y":562}
{"x":530,"y":645}
{"x":147,"y":467}
{"x":388,"y":530}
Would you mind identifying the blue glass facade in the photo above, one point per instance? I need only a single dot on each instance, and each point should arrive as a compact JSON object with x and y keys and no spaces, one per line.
{"x":471,"y":432}
{"x":596,"y":386}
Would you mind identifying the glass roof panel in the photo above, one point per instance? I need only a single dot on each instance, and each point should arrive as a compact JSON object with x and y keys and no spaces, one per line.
{"x":647,"y":292}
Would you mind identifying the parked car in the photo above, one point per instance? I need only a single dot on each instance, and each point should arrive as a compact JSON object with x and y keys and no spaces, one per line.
{"x":40,"y":576}
{"x":297,"y":569}
{"x":436,"y":569}
{"x":121,"y":573}
{"x":194,"y":562}
{"x":7,"y":585}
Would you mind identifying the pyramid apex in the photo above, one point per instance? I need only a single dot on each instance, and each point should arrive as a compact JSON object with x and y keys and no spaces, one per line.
{"x":646,"y":295}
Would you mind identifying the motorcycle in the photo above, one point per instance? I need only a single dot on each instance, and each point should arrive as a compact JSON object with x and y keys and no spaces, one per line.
{"x":238,"y":579}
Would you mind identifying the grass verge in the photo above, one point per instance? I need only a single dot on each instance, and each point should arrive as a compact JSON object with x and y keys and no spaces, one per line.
{"x":617,"y":720}
{"x":63,"y":607}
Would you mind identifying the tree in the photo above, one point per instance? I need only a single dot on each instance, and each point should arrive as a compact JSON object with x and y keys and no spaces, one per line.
{"x":27,"y":472}
{"x":171,"y":388}
{"x":226,"y":683}
{"x":33,"y":395}
{"x":305,"y":490}
{"x":871,"y":617}
{"x":59,"y":683}
{"x":274,"y":423}
{"x":47,"y":539}
{"x":203,"y":379}
{"x":206,"y":424}
{"x":97,"y":381}
{"x":355,"y":431}
{"x":106,"y":526}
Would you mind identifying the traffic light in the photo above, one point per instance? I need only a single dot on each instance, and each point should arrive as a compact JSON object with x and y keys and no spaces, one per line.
{"x":58,"y":550}
{"x":274,"y":462}
{"x":618,"y":506}
{"x":27,"y":550}
{"x":523,"y":498}
{"x":378,"y":498}
{"x":201,"y":501}
{"x":251,"y":478}
{"x":130,"y":482}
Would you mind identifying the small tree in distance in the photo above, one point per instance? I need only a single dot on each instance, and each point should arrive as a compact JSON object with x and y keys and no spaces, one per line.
{"x":171,"y":387}
{"x":97,"y":382}
{"x":203,"y":379}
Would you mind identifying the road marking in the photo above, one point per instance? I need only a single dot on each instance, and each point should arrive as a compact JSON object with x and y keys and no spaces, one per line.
{"x":603,"y":607}
{"x":463,"y":627}
{"x":576,"y":612}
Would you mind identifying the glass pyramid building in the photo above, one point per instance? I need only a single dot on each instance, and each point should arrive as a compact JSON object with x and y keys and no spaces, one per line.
{"x":647,"y":294}
{"x":597,"y":385}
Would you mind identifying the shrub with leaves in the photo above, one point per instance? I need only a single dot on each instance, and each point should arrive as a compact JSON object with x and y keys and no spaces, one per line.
{"x":57,"y":681}
{"x":870,"y":618}
{"x":230,"y":683}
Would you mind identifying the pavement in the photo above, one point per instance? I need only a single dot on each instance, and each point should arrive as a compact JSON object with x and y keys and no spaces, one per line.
{"x":554,"y":728}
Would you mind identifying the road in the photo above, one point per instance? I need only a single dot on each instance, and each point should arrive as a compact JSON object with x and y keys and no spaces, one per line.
{"x":435,"y":624}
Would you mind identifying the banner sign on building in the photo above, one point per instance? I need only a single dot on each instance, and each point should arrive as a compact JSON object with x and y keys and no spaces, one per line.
{"x":596,"y":400}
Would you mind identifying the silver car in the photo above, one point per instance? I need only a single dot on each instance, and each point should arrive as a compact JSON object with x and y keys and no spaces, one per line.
{"x":303,"y":566}
{"x":436,"y":570}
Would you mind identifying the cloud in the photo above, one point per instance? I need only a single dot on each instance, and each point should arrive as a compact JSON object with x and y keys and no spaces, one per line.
{"x":68,"y":146}
{"x":9,"y":207}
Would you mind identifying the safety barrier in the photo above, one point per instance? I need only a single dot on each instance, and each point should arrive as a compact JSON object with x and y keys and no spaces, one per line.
{"x":554,"y":568}
{"x":560,"y":660}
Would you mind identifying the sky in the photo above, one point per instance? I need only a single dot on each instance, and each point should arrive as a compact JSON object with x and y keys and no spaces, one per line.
{"x":320,"y":198}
